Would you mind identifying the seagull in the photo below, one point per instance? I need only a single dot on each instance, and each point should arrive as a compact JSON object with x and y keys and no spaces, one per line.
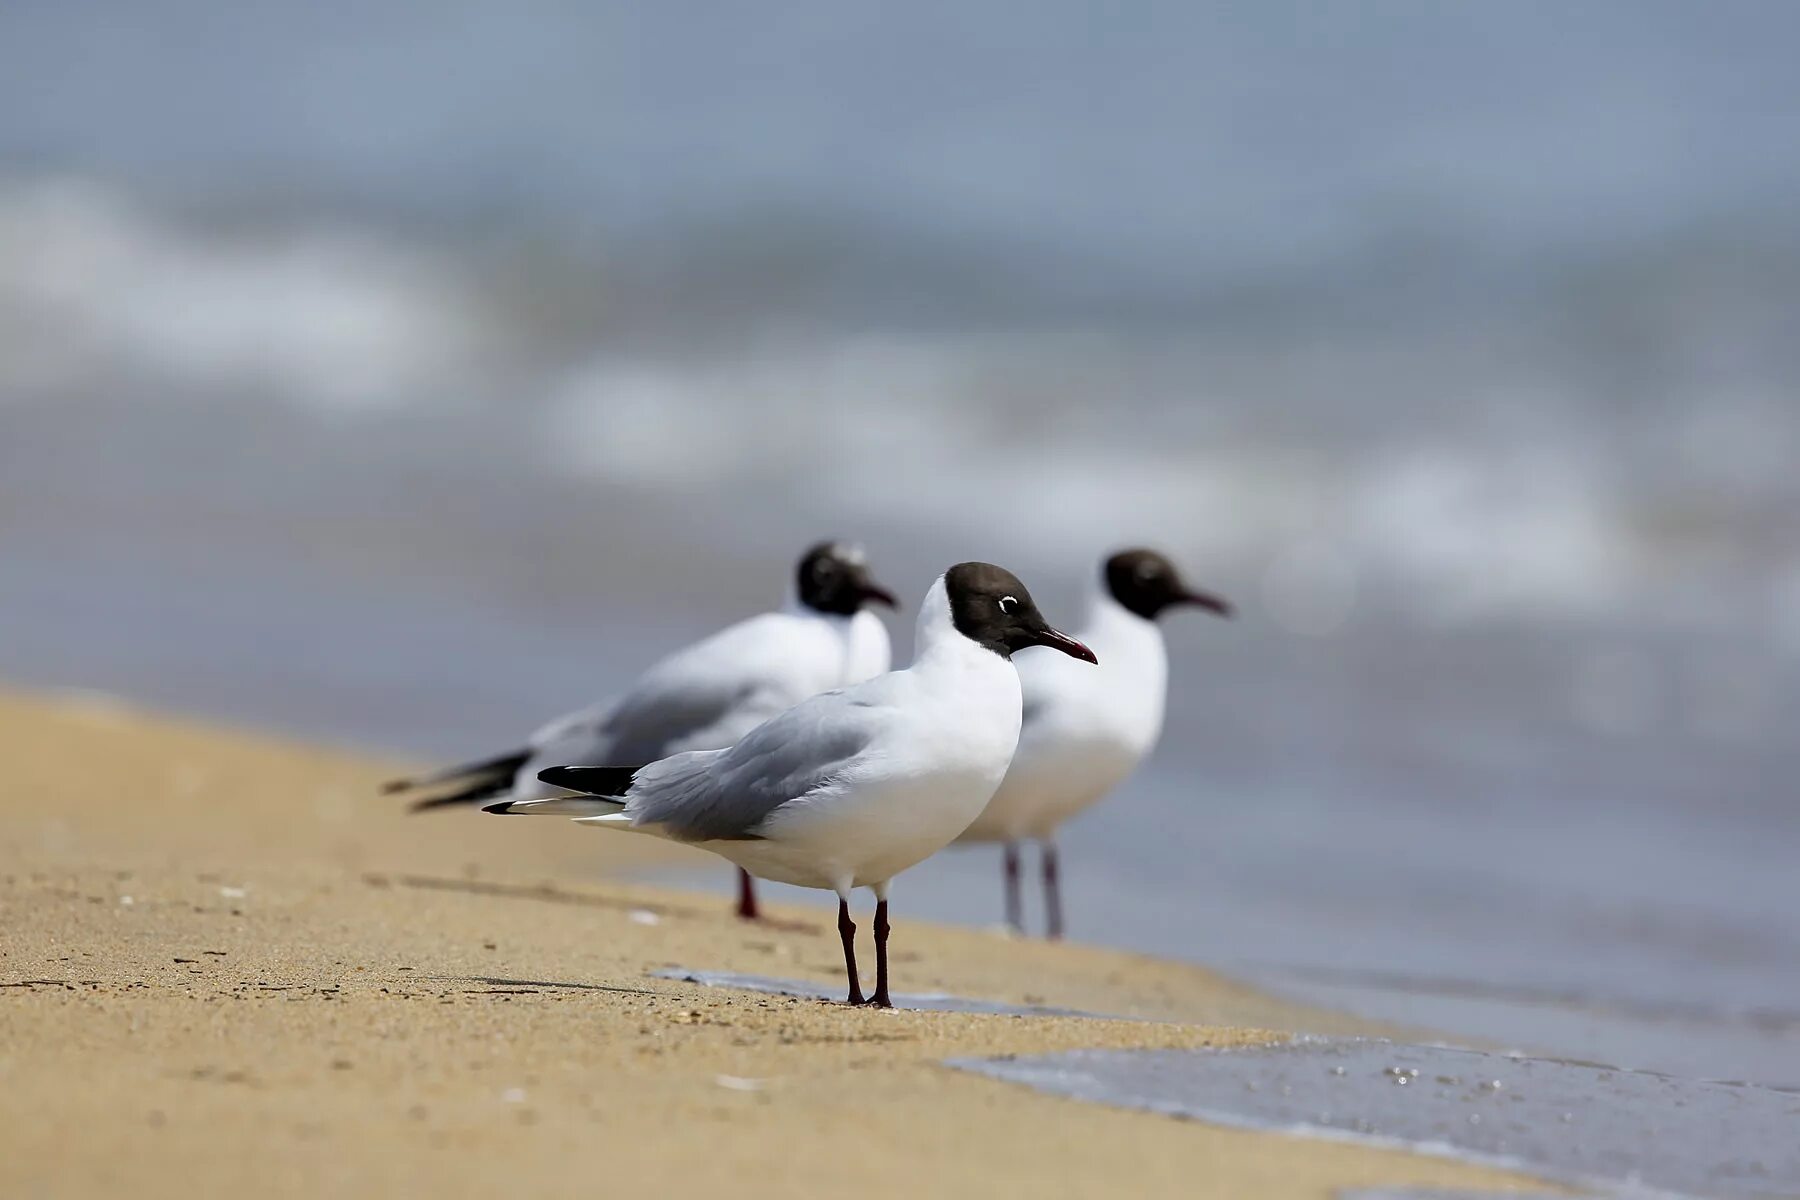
{"x":1084,"y":731}
{"x":851,"y":787}
{"x":706,"y":696}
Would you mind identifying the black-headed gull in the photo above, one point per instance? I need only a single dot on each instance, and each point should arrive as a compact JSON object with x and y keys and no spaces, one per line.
{"x":706,"y":696}
{"x":851,"y":787}
{"x":1084,"y":731}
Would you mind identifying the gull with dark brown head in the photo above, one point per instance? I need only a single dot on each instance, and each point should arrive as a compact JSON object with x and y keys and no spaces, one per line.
{"x":706,"y":696}
{"x":1084,"y":731}
{"x":852,"y":787}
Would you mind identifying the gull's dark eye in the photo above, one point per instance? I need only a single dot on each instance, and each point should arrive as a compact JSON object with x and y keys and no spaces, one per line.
{"x":824,"y":569}
{"x":1008,"y":605}
{"x":1146,"y":571}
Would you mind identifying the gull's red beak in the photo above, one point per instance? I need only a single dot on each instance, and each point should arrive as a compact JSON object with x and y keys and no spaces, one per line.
{"x":1058,"y":640}
{"x":880,"y":595}
{"x":1208,"y":601}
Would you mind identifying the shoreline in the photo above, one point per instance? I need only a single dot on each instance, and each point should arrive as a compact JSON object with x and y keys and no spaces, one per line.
{"x":231,"y":963}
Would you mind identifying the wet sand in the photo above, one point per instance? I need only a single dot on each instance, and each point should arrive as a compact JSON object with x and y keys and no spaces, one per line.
{"x":228,"y":964}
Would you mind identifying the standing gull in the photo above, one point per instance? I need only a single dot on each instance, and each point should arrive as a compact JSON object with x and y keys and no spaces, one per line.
{"x":852,"y":787}
{"x":1084,"y":731}
{"x":707,"y":696}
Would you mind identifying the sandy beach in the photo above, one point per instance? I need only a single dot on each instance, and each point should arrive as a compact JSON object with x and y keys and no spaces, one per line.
{"x":227,"y":964}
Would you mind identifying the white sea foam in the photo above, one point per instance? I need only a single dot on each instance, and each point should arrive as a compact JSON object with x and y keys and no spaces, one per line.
{"x":96,"y":286}
{"x":1522,"y":498}
{"x":932,"y":433}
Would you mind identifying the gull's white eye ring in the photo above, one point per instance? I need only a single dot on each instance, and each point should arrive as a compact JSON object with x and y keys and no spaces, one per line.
{"x":1008,"y":604}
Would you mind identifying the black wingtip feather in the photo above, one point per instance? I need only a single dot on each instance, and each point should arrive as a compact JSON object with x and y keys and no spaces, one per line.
{"x":502,"y":809}
{"x":472,"y":781}
{"x":595,"y":781}
{"x":478,"y":790}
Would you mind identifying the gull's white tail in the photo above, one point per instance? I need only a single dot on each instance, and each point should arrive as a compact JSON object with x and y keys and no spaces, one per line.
{"x":617,"y":819}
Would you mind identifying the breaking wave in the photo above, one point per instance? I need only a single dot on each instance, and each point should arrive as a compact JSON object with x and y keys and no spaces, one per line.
{"x":1450,"y":465}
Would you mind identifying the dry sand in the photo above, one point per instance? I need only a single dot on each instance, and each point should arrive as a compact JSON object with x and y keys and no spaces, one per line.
{"x":229,"y":967}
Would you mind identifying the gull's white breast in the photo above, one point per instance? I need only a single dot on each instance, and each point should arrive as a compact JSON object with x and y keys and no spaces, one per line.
{"x":948,"y":730}
{"x":1087,"y":727}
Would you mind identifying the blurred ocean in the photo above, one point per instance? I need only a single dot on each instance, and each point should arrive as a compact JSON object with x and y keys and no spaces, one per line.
{"x":407,"y":376}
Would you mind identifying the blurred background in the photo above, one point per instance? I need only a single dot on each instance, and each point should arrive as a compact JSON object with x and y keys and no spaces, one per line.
{"x":403,"y":374}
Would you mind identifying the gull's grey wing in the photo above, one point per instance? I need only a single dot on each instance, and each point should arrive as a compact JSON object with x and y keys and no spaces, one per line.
{"x":726,"y":795}
{"x":652,"y":723}
{"x":701,"y":698}
{"x":705,"y":696}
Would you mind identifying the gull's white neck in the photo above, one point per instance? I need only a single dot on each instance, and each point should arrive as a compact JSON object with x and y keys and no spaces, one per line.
{"x":1106,"y":617}
{"x":976,"y":691}
{"x":859,"y":637}
{"x":936,"y":632}
{"x":1130,"y":648}
{"x":793,"y":606}
{"x":936,"y":640}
